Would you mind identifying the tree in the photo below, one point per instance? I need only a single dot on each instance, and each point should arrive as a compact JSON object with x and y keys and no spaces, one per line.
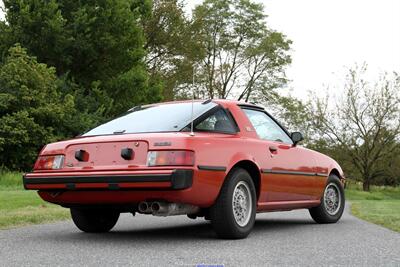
{"x":392,"y":177}
{"x":290,"y":111}
{"x":96,"y":44}
{"x":364,"y":123}
{"x":238,"y":54}
{"x":168,"y":43}
{"x":32,"y":111}
{"x":4,"y":37}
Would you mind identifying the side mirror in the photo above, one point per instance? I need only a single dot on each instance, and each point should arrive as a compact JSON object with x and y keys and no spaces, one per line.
{"x":296,"y":137}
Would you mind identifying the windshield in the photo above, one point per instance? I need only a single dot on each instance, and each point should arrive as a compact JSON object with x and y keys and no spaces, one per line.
{"x":152,"y":119}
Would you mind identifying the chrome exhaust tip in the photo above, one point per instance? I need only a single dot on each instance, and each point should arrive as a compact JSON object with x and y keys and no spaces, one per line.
{"x":144,"y":207}
{"x":155,"y":207}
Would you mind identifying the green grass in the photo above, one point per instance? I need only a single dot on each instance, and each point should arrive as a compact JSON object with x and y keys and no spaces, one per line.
{"x":380,"y":206}
{"x":383,"y":212}
{"x":11,"y":180}
{"x":19,"y":207}
{"x":354,"y":192}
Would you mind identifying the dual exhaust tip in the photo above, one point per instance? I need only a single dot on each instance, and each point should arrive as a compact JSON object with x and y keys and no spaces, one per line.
{"x":148,"y":207}
{"x":158,"y":208}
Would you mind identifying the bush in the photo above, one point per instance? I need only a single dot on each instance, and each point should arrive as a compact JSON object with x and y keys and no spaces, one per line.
{"x":32,"y":110}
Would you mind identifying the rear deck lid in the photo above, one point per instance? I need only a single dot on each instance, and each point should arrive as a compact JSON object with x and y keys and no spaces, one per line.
{"x":106,"y":155}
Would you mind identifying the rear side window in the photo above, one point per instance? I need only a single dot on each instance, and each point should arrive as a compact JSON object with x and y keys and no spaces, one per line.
{"x":266,"y":127}
{"x":217,"y":122}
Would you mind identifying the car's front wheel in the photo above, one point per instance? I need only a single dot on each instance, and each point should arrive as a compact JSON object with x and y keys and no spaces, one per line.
{"x":233,"y":214}
{"x":94,"y":220}
{"x":332,"y":202}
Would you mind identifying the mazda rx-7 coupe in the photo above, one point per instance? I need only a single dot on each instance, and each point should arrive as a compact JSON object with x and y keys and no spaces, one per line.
{"x":219,"y":159}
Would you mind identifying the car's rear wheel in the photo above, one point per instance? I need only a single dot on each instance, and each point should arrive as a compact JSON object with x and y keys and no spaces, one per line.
{"x":332,"y":202}
{"x":233,"y":214}
{"x":94,"y":220}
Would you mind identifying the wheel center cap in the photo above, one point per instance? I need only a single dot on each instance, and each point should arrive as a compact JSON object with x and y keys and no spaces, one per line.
{"x":242,"y":203}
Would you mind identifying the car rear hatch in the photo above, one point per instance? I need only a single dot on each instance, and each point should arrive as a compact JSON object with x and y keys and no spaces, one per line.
{"x":110,"y":165}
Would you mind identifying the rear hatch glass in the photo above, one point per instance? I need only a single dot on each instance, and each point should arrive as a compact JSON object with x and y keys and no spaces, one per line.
{"x":171,"y":117}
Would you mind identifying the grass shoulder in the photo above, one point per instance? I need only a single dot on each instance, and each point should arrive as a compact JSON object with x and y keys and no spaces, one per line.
{"x":19,"y":207}
{"x":380,"y":206}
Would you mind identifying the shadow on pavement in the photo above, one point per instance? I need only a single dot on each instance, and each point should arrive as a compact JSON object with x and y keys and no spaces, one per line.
{"x":198,"y":230}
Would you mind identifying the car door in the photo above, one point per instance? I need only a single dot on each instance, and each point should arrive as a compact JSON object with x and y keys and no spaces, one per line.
{"x":288,"y":171}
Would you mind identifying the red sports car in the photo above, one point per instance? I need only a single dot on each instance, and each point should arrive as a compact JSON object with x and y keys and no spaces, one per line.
{"x":219,"y":159}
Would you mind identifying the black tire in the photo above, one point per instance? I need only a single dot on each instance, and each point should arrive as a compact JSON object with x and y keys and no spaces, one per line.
{"x":320,"y":214}
{"x":94,"y":220}
{"x":222,"y":214}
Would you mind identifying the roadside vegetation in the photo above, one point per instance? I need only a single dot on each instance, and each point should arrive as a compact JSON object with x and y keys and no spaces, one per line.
{"x":19,"y":207}
{"x":380,"y":205}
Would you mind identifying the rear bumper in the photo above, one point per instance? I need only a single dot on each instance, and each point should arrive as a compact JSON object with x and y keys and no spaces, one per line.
{"x":199,"y":187}
{"x":177,"y":179}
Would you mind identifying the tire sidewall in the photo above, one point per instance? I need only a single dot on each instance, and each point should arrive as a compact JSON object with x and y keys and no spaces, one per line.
{"x":237,"y":176}
{"x":334,"y":179}
{"x":94,"y":220}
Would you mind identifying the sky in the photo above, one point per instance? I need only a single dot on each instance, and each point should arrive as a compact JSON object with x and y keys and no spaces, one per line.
{"x":331,"y":36}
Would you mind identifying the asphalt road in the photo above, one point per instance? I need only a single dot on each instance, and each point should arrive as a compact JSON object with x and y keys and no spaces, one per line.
{"x":280,"y":238}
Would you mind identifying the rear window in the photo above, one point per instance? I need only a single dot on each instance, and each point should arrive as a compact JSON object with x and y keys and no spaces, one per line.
{"x":154,"y":118}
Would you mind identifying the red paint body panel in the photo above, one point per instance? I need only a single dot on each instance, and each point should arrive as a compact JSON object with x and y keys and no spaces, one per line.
{"x":288,"y":177}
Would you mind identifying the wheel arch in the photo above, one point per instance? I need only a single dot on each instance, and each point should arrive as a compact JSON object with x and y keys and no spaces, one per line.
{"x":252,"y":168}
{"x":336,"y":172}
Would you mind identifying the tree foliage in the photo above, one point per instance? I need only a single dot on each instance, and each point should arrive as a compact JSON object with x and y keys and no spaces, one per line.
{"x":32,"y":110}
{"x":225,"y":45}
{"x":238,"y":54}
{"x":363,"y":124}
{"x":168,"y":44}
{"x":97,"y":45}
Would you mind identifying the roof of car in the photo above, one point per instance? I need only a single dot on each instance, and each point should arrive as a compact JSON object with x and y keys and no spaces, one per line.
{"x":236,"y":102}
{"x":218,"y":101}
